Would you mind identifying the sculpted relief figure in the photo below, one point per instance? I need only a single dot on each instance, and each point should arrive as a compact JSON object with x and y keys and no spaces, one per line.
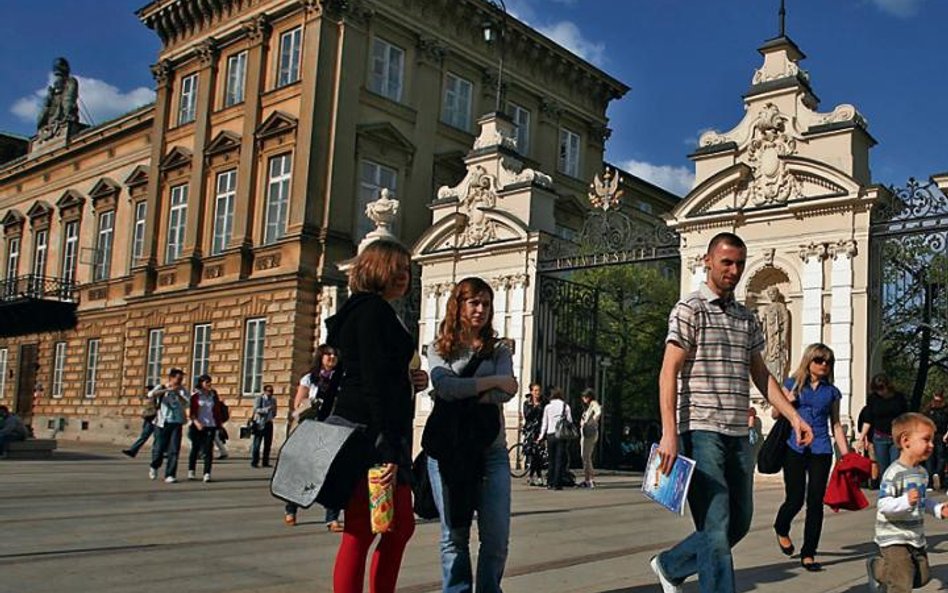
{"x":775,"y":320}
{"x":61,"y":107}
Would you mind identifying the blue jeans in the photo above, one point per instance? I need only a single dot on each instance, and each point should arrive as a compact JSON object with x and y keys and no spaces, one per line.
{"x":168,"y":444}
{"x":148,"y":428}
{"x":493,"y":528}
{"x":721,"y":498}
{"x":936,"y":463}
{"x":886,"y":452}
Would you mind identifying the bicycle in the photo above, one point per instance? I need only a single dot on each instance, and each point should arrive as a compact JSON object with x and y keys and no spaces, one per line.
{"x":520,"y":461}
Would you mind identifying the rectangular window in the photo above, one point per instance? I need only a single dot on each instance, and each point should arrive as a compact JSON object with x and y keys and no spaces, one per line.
{"x":456,"y":108}
{"x":236,"y":73}
{"x":388,"y":69}
{"x":253,"y":356}
{"x":156,"y":349}
{"x":13,"y":258}
{"x":521,"y":118}
{"x":187,"y":106}
{"x":373,"y":178}
{"x":201,"y":353}
{"x":569,"y":152}
{"x":224,"y":211}
{"x":288,"y":70}
{"x":138,"y":233}
{"x":39,"y":259}
{"x":92,"y":366}
{"x":278,"y":199}
{"x":70,"y":250}
{"x":59,"y":366}
{"x":177,"y":218}
{"x":3,"y":371}
{"x":103,"y":246}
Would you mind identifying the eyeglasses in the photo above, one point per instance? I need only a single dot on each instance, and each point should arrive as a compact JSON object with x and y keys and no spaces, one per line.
{"x":822,"y":360}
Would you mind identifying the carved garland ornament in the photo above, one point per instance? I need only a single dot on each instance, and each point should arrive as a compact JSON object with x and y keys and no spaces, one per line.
{"x":772,"y":183}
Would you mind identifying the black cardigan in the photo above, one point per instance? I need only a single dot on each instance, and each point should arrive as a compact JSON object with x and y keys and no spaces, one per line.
{"x":375,"y":390}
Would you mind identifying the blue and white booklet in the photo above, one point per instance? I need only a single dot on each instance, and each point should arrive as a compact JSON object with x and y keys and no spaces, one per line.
{"x":670,"y":491}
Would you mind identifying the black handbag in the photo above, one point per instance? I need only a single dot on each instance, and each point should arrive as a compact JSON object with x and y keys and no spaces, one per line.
{"x":565,"y":429}
{"x":424,"y":504}
{"x":442,"y":433}
{"x":773,"y":450}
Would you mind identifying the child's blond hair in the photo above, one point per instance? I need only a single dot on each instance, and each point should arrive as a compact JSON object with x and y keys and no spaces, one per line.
{"x":907,"y":423}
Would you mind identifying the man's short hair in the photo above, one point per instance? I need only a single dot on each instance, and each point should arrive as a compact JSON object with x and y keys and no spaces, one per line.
{"x":728,"y":239}
{"x":175,"y":372}
{"x":907,"y":423}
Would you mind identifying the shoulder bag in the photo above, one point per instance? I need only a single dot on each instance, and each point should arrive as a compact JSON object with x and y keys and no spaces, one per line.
{"x":565,"y":429}
{"x":442,"y":431}
{"x":773,"y":450}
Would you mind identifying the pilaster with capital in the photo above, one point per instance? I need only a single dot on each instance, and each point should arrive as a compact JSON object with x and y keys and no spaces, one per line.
{"x":519,"y":285}
{"x":501,"y":286}
{"x":811,"y":315}
{"x":698,"y":271}
{"x":841,"y":316}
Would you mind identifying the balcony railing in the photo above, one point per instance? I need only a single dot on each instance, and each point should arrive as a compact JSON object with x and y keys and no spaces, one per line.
{"x":33,"y":287}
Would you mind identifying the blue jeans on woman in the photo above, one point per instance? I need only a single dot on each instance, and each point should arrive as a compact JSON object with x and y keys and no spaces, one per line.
{"x":167,"y":444}
{"x":886,"y":452}
{"x":493,"y":528}
{"x":721,"y":498}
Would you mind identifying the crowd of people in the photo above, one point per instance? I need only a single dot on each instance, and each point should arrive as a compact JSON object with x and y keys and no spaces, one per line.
{"x":367,"y":377}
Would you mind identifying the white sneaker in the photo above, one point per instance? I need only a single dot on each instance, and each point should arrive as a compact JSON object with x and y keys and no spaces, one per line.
{"x":171,"y":480}
{"x":191,"y":475}
{"x":152,"y":473}
{"x":667,"y":586}
{"x":207,"y":477}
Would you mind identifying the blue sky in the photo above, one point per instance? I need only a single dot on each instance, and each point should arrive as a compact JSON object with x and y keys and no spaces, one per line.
{"x":687,"y":61}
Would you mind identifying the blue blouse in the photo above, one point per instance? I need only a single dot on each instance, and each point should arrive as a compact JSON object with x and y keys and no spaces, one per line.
{"x":814,"y":407}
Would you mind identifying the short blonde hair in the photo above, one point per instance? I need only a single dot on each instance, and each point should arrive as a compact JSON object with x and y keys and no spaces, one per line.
{"x":907,"y":423}
{"x":375,"y":267}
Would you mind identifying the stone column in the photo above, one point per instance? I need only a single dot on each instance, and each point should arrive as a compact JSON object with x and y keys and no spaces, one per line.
{"x":811,"y":322}
{"x":144,"y":275}
{"x":207,"y":54}
{"x":328,"y":303}
{"x":698,"y":271}
{"x":519,"y":284}
{"x":257,"y":30}
{"x":841,"y":321}
{"x":500,"y":286}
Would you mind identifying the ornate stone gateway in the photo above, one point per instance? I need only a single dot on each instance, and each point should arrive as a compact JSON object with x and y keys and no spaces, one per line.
{"x":909,"y":287}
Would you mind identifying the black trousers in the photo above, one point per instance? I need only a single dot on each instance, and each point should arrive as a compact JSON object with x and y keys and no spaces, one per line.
{"x":557,"y":452}
{"x":264,"y":434}
{"x":804,"y":477}
{"x":202,"y":443}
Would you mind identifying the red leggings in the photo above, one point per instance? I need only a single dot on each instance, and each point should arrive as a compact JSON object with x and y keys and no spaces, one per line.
{"x":349,"y":574}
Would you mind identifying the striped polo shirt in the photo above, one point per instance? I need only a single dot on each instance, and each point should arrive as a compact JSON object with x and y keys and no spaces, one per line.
{"x":720,"y":336}
{"x":897,"y":522}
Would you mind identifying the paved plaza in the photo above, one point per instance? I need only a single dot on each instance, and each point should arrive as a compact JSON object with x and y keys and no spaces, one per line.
{"x":90,"y":521}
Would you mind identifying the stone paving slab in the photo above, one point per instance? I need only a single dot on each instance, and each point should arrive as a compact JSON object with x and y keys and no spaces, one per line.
{"x":89,"y":520}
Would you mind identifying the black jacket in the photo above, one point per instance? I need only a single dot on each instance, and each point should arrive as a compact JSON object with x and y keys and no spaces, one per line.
{"x":375,"y":389}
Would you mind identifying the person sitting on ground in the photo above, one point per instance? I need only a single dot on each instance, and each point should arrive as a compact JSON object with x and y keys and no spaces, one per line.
{"x":12,"y":429}
{"x":902,"y":562}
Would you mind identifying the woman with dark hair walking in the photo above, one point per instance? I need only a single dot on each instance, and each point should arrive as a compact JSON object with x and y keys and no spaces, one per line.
{"x":556,"y":448}
{"x":532,"y":418}
{"x":472,"y":372}
{"x":376,"y":392}
{"x":315,"y":398}
{"x":206,"y":418}
{"x":806,"y":468}
{"x":884,"y":405}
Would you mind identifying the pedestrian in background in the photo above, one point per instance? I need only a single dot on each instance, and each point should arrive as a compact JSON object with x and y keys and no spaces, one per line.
{"x":173,"y":404}
{"x":206,"y":417}
{"x":315,"y":398}
{"x":589,"y":435}
{"x":553,"y":412}
{"x":532,"y":449}
{"x":264,"y":411}
{"x":12,"y":429}
{"x":938,"y":412}
{"x":149,"y":413}
{"x":884,"y":404}
{"x":806,"y":468}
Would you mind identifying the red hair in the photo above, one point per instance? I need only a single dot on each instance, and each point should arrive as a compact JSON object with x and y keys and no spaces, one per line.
{"x":454,"y":333}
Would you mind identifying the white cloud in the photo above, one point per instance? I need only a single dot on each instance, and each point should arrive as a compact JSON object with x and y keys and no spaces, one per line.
{"x":677,"y":180}
{"x":900,"y":8}
{"x":567,"y":34}
{"x":98,"y":99}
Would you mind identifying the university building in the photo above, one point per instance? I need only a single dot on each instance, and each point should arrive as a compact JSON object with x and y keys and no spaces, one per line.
{"x":203,"y":231}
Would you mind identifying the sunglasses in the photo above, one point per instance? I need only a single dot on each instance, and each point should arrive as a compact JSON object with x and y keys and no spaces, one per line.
{"x":822,"y":360}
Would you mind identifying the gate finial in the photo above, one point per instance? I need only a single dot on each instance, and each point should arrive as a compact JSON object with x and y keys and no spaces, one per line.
{"x":783,"y":18}
{"x":604,"y":192}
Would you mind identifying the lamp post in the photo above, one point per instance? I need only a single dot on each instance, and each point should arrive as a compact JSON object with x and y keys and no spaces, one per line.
{"x":494,"y":34}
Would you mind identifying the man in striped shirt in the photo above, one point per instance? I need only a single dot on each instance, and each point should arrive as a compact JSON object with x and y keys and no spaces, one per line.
{"x":713,"y":346}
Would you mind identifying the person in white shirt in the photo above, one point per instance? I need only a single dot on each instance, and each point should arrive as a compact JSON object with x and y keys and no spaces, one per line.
{"x":552,"y":413}
{"x":589,"y":433}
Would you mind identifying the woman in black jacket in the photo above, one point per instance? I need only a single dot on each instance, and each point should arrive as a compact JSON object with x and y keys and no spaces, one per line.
{"x":377,"y":392}
{"x":884,"y":404}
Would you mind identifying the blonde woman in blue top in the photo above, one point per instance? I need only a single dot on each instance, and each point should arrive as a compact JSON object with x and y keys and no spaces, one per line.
{"x":806,"y":468}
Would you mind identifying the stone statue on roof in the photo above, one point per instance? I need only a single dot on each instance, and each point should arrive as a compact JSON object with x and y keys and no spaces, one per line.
{"x":61,"y":106}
